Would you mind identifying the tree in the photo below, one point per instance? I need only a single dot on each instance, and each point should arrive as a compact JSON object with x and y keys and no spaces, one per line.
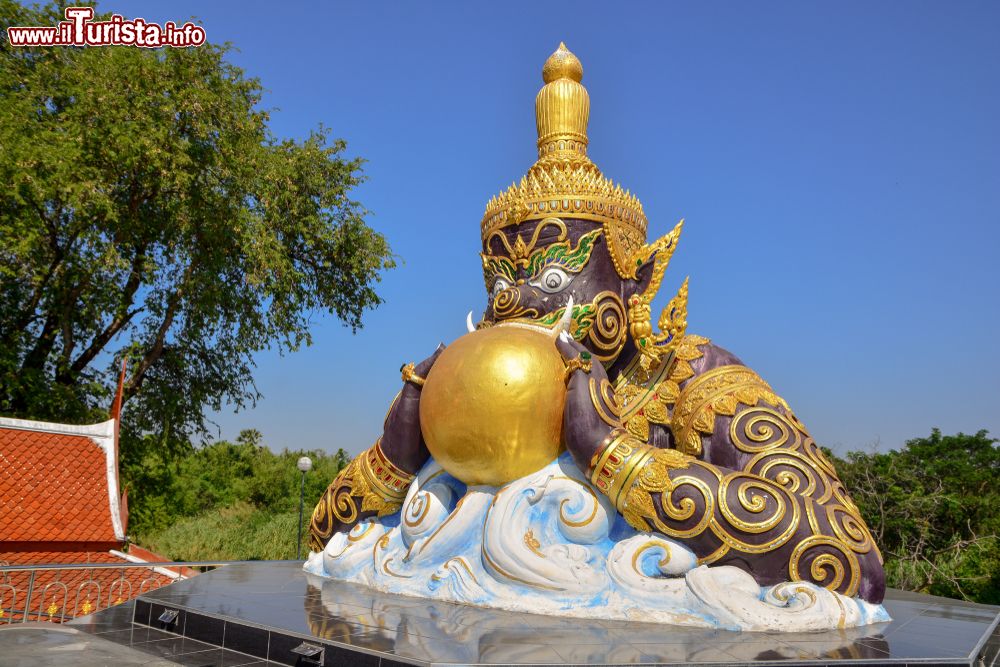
{"x":223,"y":475}
{"x":148,"y":213}
{"x":934,"y":508}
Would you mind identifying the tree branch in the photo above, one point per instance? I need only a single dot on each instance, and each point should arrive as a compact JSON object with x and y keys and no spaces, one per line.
{"x":124,"y":315}
{"x":156,"y":351}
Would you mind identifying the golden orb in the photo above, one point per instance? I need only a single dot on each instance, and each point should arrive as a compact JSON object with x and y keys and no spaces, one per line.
{"x":492,"y":405}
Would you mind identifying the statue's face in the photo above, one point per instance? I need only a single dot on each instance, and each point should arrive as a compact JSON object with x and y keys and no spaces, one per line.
{"x":532,"y":269}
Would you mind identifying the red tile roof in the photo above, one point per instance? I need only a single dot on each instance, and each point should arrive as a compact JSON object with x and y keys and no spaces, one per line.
{"x":57,"y":485}
{"x":59,"y":504}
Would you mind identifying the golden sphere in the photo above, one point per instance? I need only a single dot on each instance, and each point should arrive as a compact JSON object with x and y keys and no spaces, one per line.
{"x":492,"y":405}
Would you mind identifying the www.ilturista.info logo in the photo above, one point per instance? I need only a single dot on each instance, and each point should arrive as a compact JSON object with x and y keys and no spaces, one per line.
{"x":79,"y":30}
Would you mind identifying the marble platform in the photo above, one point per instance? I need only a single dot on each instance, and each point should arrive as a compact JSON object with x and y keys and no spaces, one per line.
{"x":256,"y":613}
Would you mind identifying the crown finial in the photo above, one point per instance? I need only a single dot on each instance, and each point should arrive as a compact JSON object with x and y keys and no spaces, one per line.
{"x":562,"y":108}
{"x":563,"y":182}
{"x":563,"y":64}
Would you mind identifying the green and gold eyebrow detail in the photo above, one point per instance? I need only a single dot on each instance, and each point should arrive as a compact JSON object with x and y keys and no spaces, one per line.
{"x":561,"y":253}
{"x":571,"y":259}
{"x":497,"y":266}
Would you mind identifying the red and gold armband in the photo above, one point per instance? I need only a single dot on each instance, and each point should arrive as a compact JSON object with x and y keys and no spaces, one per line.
{"x":625,"y":466}
{"x":378,"y":482}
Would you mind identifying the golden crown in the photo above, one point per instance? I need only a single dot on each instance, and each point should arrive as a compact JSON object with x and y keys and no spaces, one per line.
{"x":564,"y":181}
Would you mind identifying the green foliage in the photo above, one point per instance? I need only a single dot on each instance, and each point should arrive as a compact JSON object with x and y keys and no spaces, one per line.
{"x":934,"y":508}
{"x":148,"y":213}
{"x":239,"y":532}
{"x":224,"y":475}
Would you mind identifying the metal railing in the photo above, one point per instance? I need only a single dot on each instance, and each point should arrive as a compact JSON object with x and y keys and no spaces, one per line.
{"x":48,"y":598}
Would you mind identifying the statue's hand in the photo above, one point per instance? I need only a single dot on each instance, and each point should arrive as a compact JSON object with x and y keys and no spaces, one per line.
{"x":584,"y":429}
{"x":401,"y":439}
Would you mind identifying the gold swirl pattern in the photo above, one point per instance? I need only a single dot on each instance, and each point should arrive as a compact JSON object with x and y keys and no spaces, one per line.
{"x":850,"y":529}
{"x":755,"y":496}
{"x":507,"y":305}
{"x":370,"y":478}
{"x":607,"y":333}
{"x":564,"y":517}
{"x":794,"y":472}
{"x":354,"y":536}
{"x":417,"y":510}
{"x":662,"y":563}
{"x":420,"y":504}
{"x":829,"y":564}
{"x":718,"y":391}
{"x":786,"y":498}
{"x":762,"y":430}
{"x":602,"y":395}
{"x":449,"y":565}
{"x":798,"y":464}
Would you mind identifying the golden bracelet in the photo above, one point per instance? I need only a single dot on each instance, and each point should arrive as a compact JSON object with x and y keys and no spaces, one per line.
{"x":383,"y":476}
{"x":618,"y":464}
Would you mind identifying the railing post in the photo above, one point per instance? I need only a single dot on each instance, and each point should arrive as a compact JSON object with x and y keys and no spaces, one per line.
{"x":27,"y":598}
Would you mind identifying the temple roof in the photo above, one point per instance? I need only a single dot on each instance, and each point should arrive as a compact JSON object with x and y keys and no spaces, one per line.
{"x":59,"y":483}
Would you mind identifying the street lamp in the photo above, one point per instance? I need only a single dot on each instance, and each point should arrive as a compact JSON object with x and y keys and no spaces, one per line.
{"x":304,"y":465}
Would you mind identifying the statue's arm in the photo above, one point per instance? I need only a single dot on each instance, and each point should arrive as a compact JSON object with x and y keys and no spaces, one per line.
{"x":758,"y":494}
{"x":376,"y":481}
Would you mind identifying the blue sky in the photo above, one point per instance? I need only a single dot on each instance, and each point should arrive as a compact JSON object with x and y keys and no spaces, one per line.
{"x":838,"y":165}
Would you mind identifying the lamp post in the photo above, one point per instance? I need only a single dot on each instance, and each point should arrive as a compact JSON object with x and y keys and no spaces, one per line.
{"x":304,"y":464}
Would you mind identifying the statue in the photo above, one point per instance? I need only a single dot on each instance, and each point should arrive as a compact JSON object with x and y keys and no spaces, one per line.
{"x":699,"y":472}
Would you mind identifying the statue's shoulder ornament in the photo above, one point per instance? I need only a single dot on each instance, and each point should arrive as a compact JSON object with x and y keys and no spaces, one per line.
{"x":647,"y":393}
{"x":686,"y":397}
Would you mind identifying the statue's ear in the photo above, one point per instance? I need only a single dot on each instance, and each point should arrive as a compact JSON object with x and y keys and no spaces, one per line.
{"x":643,"y":276}
{"x":653,"y":259}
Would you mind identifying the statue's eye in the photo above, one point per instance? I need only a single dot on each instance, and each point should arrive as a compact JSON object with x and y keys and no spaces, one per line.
{"x":499,"y":285}
{"x":552,"y":279}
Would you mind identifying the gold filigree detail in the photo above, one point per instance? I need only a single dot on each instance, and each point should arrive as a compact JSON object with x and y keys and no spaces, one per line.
{"x":371,"y":478}
{"x":648,"y":394}
{"x":673,"y":319}
{"x":574,"y":189}
{"x":712,"y":393}
{"x":520,"y":252}
{"x":532,"y":543}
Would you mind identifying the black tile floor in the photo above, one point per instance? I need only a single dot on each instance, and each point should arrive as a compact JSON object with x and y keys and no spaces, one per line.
{"x":254,"y":612}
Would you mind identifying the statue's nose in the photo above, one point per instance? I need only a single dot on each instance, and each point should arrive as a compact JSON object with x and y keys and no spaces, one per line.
{"x":516,"y":301}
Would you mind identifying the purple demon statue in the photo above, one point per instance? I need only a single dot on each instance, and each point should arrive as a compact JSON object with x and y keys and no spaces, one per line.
{"x":683,"y":440}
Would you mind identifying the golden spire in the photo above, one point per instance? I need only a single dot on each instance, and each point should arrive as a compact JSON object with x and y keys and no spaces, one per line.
{"x":563,"y":182}
{"x":562,"y":107}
